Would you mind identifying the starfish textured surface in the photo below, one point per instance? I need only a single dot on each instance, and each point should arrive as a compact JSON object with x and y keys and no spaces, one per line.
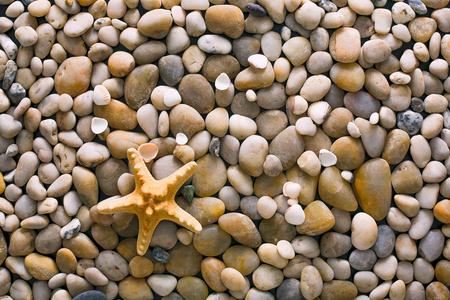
{"x":152,"y":200}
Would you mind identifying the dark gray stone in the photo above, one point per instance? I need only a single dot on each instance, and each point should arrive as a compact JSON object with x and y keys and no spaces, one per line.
{"x":432,"y":245}
{"x":334,"y":244}
{"x":256,"y":10}
{"x":385,"y":242}
{"x":90,"y":295}
{"x":241,"y":106}
{"x":361,"y":104}
{"x":417,"y":104}
{"x":10,"y":74}
{"x":362,"y":260}
{"x":244,"y":47}
{"x":16,"y":93}
{"x":289,"y":290}
{"x":409,"y":121}
{"x":171,"y":69}
{"x":229,"y":149}
{"x":160,"y":255}
{"x":27,"y":2}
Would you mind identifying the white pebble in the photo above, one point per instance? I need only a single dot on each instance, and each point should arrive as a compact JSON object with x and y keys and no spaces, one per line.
{"x":295,"y":215}
{"x":327,"y":158}
{"x":291,"y":190}
{"x":181,"y":139}
{"x":285,"y":249}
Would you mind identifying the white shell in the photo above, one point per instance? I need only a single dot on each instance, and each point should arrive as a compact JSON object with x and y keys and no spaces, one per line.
{"x":327,"y":158}
{"x":295,"y":215}
{"x":291,"y":202}
{"x":171,"y":97}
{"x":98,"y":125}
{"x":374,"y":118}
{"x":319,"y":111}
{"x":101,"y":95}
{"x":251,"y":95}
{"x":291,"y":189}
{"x":299,"y":105}
{"x":305,"y":126}
{"x":181,"y":139}
{"x":353,"y":130}
{"x":148,"y":151}
{"x":222,"y":82}
{"x":347,"y":175}
{"x":258,"y":61}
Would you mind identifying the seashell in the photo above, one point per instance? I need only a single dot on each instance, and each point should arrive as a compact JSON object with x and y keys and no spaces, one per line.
{"x":347,"y":175}
{"x":214,"y":146}
{"x":171,"y":97}
{"x":374,"y":118}
{"x":291,"y":190}
{"x":291,"y":202}
{"x":295,"y":215}
{"x":319,"y":111}
{"x":223,"y":82}
{"x":299,"y":105}
{"x":258,"y":61}
{"x":98,"y":125}
{"x":327,"y":158}
{"x":353,"y":129}
{"x":148,"y":151}
{"x":101,"y":95}
{"x":181,"y":139}
{"x":251,"y":96}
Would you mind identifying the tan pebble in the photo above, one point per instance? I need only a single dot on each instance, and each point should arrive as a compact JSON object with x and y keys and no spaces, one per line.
{"x":345,"y":45}
{"x":121,"y":63}
{"x":232,"y":279}
{"x":349,"y":77}
{"x":66,"y":260}
{"x":140,"y":266}
{"x":422,"y":29}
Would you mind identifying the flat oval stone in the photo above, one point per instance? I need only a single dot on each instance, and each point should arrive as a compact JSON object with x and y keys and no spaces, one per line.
{"x":345,"y":45}
{"x":119,"y":141}
{"x":396,"y":146}
{"x":335,"y":190}
{"x":218,"y":64}
{"x":73,"y":76}
{"x":78,"y":24}
{"x":184,"y":261}
{"x":318,"y":219}
{"x":118,"y":114}
{"x":372,"y":187}
{"x":361,"y":104}
{"x":40,"y":266}
{"x":210,"y":177}
{"x":364,"y":231}
{"x":287,"y":146}
{"x":253,"y":78}
{"x":333,"y":244}
{"x":206,"y":210}
{"x":241,"y":228}
{"x":385,"y":243}
{"x":338,"y":290}
{"x":289,"y":289}
{"x":349,"y":152}
{"x":311,"y":283}
{"x":362,"y":260}
{"x":211,"y":269}
{"x":183,"y":118}
{"x":349,"y":77}
{"x":155,"y":23}
{"x":197,"y":92}
{"x":431,"y":246}
{"x":139,"y":85}
{"x":406,"y":178}
{"x":171,"y":69}
{"x":192,"y":287}
{"x":252,"y":154}
{"x":276,"y":229}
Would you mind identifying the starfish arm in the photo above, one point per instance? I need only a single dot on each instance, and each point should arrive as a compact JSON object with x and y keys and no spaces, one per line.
{"x":178,"y":215}
{"x":147,"y":225}
{"x":141,"y":173}
{"x":125,"y":204}
{"x":175,"y":180}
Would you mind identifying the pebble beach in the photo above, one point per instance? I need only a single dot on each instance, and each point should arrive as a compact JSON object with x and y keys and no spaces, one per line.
{"x":224,"y":149}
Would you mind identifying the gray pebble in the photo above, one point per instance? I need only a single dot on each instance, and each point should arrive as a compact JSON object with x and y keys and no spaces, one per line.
{"x":289,"y":289}
{"x":333,"y":244}
{"x":362,"y":260}
{"x":171,"y":69}
{"x":418,"y":6}
{"x":12,"y":150}
{"x":7,"y":163}
{"x":10,"y":74}
{"x":160,"y":255}
{"x":432,"y":245}
{"x":385,"y":242}
{"x":329,"y":6}
{"x":417,"y":104}
{"x":256,"y":10}
{"x":409,"y":121}
{"x":90,"y":295}
{"x":415,"y":291}
{"x":229,"y":149}
{"x":248,"y":207}
{"x":16,"y":93}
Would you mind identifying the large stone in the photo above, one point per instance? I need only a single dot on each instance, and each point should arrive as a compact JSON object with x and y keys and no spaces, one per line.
{"x":241,"y":228}
{"x":139,"y":85}
{"x":345,"y":45}
{"x":206,"y":210}
{"x":73,"y":76}
{"x":197,"y":92}
{"x":40,"y":266}
{"x":254,"y":79}
{"x":349,"y":152}
{"x":183,"y":118}
{"x":406,"y":178}
{"x":155,"y":23}
{"x":210,"y":177}
{"x":288,"y":145}
{"x":372,"y":187}
{"x":335,"y":190}
{"x":119,"y":141}
{"x":184,"y":261}
{"x":338,"y":290}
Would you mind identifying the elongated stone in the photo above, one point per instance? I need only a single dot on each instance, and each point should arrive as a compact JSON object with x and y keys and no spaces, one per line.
{"x":140,"y":84}
{"x":372,"y":187}
{"x":335,"y":190}
{"x":241,"y":228}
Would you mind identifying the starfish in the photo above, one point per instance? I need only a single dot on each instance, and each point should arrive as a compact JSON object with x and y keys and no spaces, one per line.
{"x":152,"y":200}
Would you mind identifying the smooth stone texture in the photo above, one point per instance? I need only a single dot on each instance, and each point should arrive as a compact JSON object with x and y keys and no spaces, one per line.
{"x":333,"y":244}
{"x":431,"y":246}
{"x":318,"y":219}
{"x":339,"y":290}
{"x":335,"y":190}
{"x":184,"y":261}
{"x":73,"y":76}
{"x":364,"y":231}
{"x":139,"y":85}
{"x":362,"y":260}
{"x":226,"y":19}
{"x":372,"y":187}
{"x":210,"y":176}
{"x":241,"y":228}
{"x":385,"y":242}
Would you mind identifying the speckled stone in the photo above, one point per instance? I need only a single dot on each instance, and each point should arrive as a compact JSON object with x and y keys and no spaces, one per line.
{"x":362,"y":260}
{"x":431,"y":246}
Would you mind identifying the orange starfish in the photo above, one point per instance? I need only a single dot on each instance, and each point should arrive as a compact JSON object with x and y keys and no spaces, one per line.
{"x":152,"y":200}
